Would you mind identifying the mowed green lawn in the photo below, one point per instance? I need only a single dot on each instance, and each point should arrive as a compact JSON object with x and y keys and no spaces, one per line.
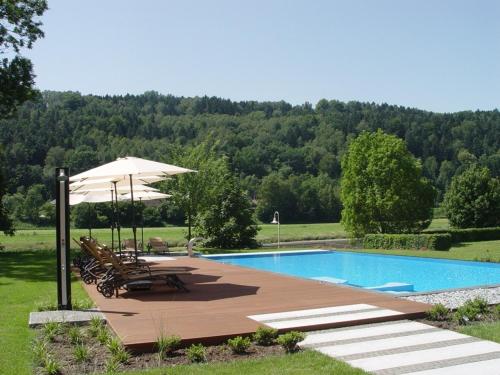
{"x":28,"y":278}
{"x":45,"y":238}
{"x":486,"y":251}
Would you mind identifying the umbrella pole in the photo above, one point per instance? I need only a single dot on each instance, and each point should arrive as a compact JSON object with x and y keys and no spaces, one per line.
{"x":133,"y":219}
{"x":118,"y":220}
{"x":112,"y":222}
{"x":142,"y":225}
{"x":90,"y":221}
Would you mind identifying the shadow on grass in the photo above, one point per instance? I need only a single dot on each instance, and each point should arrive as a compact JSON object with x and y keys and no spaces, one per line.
{"x":29,"y":265}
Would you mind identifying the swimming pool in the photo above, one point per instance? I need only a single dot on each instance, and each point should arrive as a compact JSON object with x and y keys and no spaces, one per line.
{"x":404,"y":273}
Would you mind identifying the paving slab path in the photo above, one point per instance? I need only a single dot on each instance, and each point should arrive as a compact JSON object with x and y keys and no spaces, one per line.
{"x":407,"y":347}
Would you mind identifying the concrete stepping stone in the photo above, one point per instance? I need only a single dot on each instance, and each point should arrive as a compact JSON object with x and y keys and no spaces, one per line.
{"x":406,"y":347}
{"x":63,"y":316}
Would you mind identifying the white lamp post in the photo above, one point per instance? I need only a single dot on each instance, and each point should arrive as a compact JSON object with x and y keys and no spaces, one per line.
{"x":276,"y":220}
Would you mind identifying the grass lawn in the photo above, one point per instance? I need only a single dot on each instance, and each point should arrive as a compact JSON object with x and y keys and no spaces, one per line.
{"x":28,"y":278}
{"x":303,"y":363}
{"x":486,"y":331}
{"x":26,"y":239}
{"x":482,"y":251}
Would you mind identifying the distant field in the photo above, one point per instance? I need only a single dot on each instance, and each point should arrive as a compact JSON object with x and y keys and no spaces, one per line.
{"x":176,"y":236}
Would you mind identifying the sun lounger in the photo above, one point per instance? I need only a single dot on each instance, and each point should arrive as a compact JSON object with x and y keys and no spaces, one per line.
{"x":129,"y":275}
{"x":157,"y":245}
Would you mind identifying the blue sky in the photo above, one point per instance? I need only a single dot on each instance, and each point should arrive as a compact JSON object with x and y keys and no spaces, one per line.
{"x":436,"y":55}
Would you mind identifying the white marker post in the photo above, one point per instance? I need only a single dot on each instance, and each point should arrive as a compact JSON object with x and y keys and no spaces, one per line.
{"x":62,"y":238}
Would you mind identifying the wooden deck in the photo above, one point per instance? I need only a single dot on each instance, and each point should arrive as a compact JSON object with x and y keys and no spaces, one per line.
{"x":220,"y":300}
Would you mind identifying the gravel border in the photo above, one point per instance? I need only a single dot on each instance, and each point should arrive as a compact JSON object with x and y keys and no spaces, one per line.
{"x":455,"y":298}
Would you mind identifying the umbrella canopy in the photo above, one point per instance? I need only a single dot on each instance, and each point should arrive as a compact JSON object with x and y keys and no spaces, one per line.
{"x":130,"y":165}
{"x":119,"y":189}
{"x":123,"y":181}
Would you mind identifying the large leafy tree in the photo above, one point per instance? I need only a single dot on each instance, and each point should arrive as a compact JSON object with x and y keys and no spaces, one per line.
{"x":229,"y":221}
{"x":193,"y":192}
{"x":18,"y":29}
{"x":473,"y":199}
{"x":382,"y":187}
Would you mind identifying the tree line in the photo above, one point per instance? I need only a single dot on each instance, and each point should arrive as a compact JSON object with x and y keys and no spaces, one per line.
{"x":285,"y":157}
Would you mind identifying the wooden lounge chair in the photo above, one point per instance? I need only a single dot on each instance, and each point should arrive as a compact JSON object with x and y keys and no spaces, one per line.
{"x":128,"y":245}
{"x":117,"y":273}
{"x":157,"y":245}
{"x":130,"y":278}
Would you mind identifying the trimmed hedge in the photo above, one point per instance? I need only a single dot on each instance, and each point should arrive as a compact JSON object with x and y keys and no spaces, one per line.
{"x":435,"y":241}
{"x":470,"y":234}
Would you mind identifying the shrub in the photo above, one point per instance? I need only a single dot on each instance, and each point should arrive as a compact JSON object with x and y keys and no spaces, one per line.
{"x":239,"y":345}
{"x":167,"y":344}
{"x":471,"y":310}
{"x":480,"y":304}
{"x":496,"y":312}
{"x":196,"y":353}
{"x":81,"y":353}
{"x":435,"y":241}
{"x":265,"y":336}
{"x":470,"y":234}
{"x":438,"y":312}
{"x":473,"y":199}
{"x":290,"y":340}
{"x":75,"y":336}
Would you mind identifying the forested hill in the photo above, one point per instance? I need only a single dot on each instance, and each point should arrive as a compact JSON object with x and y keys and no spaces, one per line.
{"x":258,"y":137}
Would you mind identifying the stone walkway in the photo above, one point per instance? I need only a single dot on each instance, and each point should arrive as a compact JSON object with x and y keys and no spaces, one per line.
{"x":407,"y":347}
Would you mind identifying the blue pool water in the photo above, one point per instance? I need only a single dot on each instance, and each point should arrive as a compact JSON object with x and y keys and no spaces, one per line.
{"x":369,"y":270}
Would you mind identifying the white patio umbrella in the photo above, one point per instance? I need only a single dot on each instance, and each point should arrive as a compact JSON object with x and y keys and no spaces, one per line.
{"x":130,"y":167}
{"x":119,"y":181}
{"x":105,"y":194}
{"x":90,"y":197}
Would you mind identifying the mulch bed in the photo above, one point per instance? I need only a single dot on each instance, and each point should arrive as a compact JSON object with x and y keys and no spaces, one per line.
{"x":63,"y":351}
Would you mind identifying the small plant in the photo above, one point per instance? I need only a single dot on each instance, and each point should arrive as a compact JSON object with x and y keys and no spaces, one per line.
{"x":196,"y":353}
{"x":471,"y":310}
{"x":466,"y":314}
{"x":112,"y":366}
{"x":51,"y":330}
{"x":96,"y":325}
{"x":496,"y":311}
{"x":75,"y":336}
{"x":82,"y":304}
{"x":81,"y":353}
{"x":103,"y":336}
{"x":166,"y":345}
{"x":265,"y":336}
{"x":239,"y":345}
{"x":438,"y":313}
{"x":39,"y":351}
{"x":51,"y":366}
{"x":114,"y":345}
{"x":47,"y":305}
{"x":290,"y":340}
{"x":121,"y":355}
{"x":480,"y":304}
